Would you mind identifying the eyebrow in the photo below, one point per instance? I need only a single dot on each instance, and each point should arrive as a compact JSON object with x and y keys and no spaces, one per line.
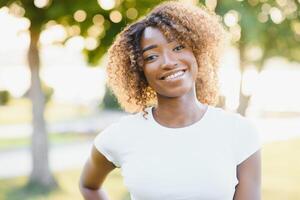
{"x":148,"y":48}
{"x":153,"y":46}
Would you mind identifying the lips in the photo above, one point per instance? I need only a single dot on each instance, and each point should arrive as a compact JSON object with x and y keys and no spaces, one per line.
{"x":172,"y":73}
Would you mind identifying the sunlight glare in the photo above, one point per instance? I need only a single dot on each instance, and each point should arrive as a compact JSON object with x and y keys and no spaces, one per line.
{"x":56,"y":33}
{"x":107,"y":4}
{"x":250,"y":77}
{"x":16,"y":79}
{"x":76,"y":43}
{"x":276,"y":15}
{"x":231,"y":18}
{"x":41,"y":3}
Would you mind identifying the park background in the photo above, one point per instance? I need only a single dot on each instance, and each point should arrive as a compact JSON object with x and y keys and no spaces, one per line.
{"x":53,"y":99}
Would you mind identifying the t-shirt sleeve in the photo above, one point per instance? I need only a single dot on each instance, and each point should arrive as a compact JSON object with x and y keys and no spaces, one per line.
{"x":106,"y":142}
{"x":246,"y":138}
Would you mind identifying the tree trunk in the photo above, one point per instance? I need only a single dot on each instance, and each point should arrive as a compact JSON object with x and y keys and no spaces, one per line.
{"x":243,"y":102}
{"x":221,"y":102}
{"x":244,"y":99}
{"x":40,"y":174}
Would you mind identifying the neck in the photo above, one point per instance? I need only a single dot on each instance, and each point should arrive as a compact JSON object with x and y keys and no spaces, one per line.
{"x":179,"y":111}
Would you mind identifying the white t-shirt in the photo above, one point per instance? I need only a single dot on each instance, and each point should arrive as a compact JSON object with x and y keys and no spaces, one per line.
{"x":189,"y":163}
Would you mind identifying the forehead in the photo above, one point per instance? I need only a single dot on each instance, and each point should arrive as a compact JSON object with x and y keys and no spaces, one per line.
{"x":153,"y":36}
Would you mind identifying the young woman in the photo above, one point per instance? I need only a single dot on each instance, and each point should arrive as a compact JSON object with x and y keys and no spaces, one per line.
{"x":176,"y":145}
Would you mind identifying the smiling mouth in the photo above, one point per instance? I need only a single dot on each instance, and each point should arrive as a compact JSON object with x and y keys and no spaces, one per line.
{"x":174,"y":76}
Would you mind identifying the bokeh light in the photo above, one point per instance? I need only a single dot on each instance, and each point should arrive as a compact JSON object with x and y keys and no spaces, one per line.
{"x":115,"y":16}
{"x":80,"y":15}
{"x":253,"y":2}
{"x":55,"y":33}
{"x":76,"y":43}
{"x":266,"y":8}
{"x":73,"y":30}
{"x":281,"y":3}
{"x":132,"y":13}
{"x":95,"y":31}
{"x":231,"y":18}
{"x":98,"y":19}
{"x":262,"y":17}
{"x":41,"y":3}
{"x":91,"y":43}
{"x":107,"y":4}
{"x":276,"y":15}
{"x":254,"y":53}
{"x":211,"y":4}
{"x":16,"y":10}
{"x":296,"y":27}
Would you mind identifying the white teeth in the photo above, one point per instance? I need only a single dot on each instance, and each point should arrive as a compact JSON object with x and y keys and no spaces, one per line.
{"x":177,"y":74}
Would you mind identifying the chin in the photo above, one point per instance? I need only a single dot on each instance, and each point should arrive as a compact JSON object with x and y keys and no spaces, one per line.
{"x":176,"y":92}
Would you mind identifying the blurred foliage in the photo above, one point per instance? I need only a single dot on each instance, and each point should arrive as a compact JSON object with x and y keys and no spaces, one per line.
{"x":110,"y":101}
{"x":92,"y":14}
{"x":272,"y":27}
{"x":4,"y":97}
{"x":260,"y":29}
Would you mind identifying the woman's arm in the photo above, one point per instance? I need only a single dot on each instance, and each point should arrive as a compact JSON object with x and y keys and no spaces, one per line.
{"x":93,"y":175}
{"x":249,"y":176}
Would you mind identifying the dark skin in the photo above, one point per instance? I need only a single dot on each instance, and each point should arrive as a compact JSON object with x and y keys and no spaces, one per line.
{"x":177,"y":107}
{"x":177,"y":102}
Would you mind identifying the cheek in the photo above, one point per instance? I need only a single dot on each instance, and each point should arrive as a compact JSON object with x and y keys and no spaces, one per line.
{"x":149,"y":75}
{"x":191,"y":61}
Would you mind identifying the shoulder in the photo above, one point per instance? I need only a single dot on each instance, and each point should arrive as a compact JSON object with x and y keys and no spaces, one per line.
{"x":242,"y":132}
{"x":131,"y":120}
{"x":224,"y":116}
{"x":239,"y":121}
{"x":234,"y":123}
{"x":125,"y":123}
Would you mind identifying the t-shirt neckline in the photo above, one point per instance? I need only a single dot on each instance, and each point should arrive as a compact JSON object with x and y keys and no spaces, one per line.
{"x":197,"y":123}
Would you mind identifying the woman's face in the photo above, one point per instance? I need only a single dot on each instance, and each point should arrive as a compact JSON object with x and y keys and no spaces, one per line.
{"x":169,"y":67}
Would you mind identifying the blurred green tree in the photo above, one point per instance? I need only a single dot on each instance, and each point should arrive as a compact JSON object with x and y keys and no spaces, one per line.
{"x":97,"y":21}
{"x":109,"y":100}
{"x":4,"y":97}
{"x":260,"y":29}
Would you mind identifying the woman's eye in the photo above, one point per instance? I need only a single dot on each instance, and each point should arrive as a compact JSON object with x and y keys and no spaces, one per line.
{"x":179,"y":47}
{"x":150,"y":58}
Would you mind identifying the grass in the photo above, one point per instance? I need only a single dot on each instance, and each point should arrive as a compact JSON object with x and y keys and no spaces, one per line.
{"x":13,"y":189}
{"x":280,"y":170}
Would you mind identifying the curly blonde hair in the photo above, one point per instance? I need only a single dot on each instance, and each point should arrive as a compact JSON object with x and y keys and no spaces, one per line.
{"x":196,"y":27}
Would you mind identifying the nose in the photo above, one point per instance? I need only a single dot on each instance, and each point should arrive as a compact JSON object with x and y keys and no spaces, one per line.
{"x":169,"y":60}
